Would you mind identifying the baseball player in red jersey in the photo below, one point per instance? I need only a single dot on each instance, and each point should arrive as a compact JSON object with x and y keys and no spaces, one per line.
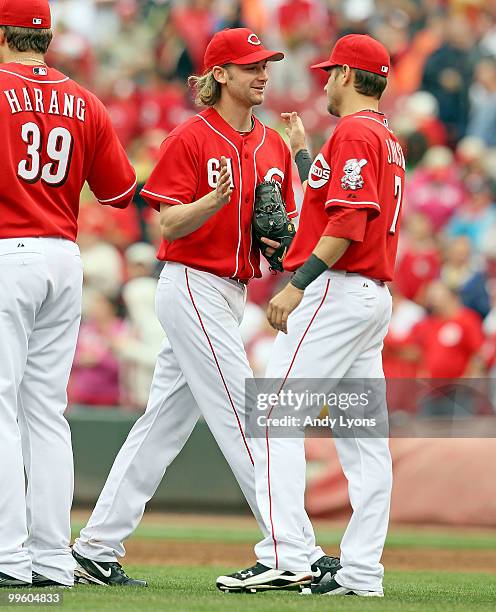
{"x":333,"y":316}
{"x":204,"y":185}
{"x":55,"y":135}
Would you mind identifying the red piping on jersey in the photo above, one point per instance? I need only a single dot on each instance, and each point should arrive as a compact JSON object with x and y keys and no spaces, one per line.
{"x":268,"y":417}
{"x":218,"y":367}
{"x":254,"y":189}
{"x":240,"y":188}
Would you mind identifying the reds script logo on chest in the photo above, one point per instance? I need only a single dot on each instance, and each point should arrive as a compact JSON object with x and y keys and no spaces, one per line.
{"x":320,"y":172}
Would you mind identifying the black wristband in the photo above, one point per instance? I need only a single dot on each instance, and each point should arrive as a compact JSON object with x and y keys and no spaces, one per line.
{"x":303,"y":162}
{"x":308,"y":272}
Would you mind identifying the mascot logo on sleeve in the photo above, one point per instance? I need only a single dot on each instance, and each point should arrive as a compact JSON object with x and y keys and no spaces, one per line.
{"x":352,"y":178}
{"x":320,"y":172}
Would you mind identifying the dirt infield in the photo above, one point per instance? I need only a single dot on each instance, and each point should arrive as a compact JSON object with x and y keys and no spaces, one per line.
{"x":163,"y":552}
{"x":201,"y":552}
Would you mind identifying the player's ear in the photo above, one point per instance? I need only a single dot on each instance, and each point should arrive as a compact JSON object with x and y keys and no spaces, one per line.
{"x":220,"y":75}
{"x":346,"y":74}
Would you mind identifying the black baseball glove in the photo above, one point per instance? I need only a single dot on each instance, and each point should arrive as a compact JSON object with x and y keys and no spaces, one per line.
{"x":270,"y":220}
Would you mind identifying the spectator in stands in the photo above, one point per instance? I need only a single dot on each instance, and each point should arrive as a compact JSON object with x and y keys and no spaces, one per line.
{"x":446,"y":75}
{"x":174,"y":61}
{"x":458,"y":263}
{"x":482,"y":121}
{"x":102,"y":262}
{"x":477,"y":291}
{"x":448,"y":337}
{"x":131,"y":46}
{"x":477,"y":213}
{"x":399,"y":346}
{"x":447,"y":340}
{"x":194,"y":21}
{"x":419,"y":261}
{"x":95,"y":376}
{"x":139,"y":344}
{"x":140,"y":260}
{"x":399,"y":355}
{"x":434,"y":188}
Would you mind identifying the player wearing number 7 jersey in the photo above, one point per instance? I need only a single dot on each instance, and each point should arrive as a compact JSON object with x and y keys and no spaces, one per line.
{"x":55,"y":136}
{"x":333,"y":316}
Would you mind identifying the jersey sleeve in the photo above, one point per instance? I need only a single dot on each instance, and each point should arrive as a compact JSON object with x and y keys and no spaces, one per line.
{"x":111,"y":178}
{"x":175,"y":178}
{"x":346,"y":223}
{"x":287,"y":188}
{"x":353,"y":182}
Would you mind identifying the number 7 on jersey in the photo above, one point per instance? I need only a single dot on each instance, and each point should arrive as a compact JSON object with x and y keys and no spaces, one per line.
{"x":398,"y":194}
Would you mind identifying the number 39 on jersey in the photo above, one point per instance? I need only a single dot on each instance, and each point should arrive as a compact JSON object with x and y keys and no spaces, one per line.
{"x":58,"y":148}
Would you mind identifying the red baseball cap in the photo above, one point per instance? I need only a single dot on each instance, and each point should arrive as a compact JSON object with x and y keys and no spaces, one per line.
{"x":237,"y":46}
{"x":25,"y":13}
{"x":359,"y":51}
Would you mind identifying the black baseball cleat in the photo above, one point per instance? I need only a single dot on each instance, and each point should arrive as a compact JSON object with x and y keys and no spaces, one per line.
{"x":262,"y":578}
{"x":102,"y":573}
{"x":324,"y":566}
{"x":331,"y":587}
{"x":9,"y":582}
{"x":40,"y":581}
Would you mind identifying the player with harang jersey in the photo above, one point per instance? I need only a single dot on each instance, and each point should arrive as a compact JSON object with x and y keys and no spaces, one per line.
{"x":55,"y":136}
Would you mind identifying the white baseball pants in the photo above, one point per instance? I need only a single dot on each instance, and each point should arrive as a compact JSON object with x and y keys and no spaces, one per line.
{"x":336,"y":332}
{"x":40,"y":307}
{"x":201,"y":370}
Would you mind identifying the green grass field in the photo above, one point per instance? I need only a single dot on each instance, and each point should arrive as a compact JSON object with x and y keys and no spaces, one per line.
{"x":183,"y":589}
{"x":192,"y":588}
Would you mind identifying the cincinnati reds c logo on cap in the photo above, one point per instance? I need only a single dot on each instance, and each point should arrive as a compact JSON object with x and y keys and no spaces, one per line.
{"x":254,"y":40}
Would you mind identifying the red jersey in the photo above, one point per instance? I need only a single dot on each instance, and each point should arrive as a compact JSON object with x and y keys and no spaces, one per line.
{"x":56,"y":135}
{"x":188,"y":169}
{"x":359,"y":173}
{"x":448,"y":344}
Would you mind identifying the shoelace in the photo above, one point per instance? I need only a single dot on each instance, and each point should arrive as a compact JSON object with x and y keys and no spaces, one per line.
{"x":119,"y":569}
{"x":328,"y":562}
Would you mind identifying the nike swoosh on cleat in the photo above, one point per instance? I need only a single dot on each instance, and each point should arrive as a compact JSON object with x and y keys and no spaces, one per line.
{"x":318,"y":573}
{"x":106,"y":573}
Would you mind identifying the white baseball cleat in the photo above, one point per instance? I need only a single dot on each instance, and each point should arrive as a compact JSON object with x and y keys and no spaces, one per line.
{"x":262,"y":578}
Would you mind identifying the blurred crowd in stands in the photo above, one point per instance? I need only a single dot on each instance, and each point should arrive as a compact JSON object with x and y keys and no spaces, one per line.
{"x":441,"y":102}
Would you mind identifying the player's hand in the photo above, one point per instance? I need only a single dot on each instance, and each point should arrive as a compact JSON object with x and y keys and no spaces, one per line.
{"x":295,"y":131}
{"x":282,"y":305}
{"x":272,"y":244}
{"x":224,"y":188}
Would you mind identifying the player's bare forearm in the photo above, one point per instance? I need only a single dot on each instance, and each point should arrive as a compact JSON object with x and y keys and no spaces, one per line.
{"x":178,"y":221}
{"x":330,"y":249}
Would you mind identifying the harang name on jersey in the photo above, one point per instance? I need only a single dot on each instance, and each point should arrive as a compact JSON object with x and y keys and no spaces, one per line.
{"x":42,"y":101}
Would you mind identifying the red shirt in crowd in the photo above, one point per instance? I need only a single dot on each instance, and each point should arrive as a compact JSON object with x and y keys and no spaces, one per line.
{"x":356,"y":182}
{"x":448,"y":344}
{"x":188,"y":169}
{"x":55,"y":136}
{"x":415,"y":270}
